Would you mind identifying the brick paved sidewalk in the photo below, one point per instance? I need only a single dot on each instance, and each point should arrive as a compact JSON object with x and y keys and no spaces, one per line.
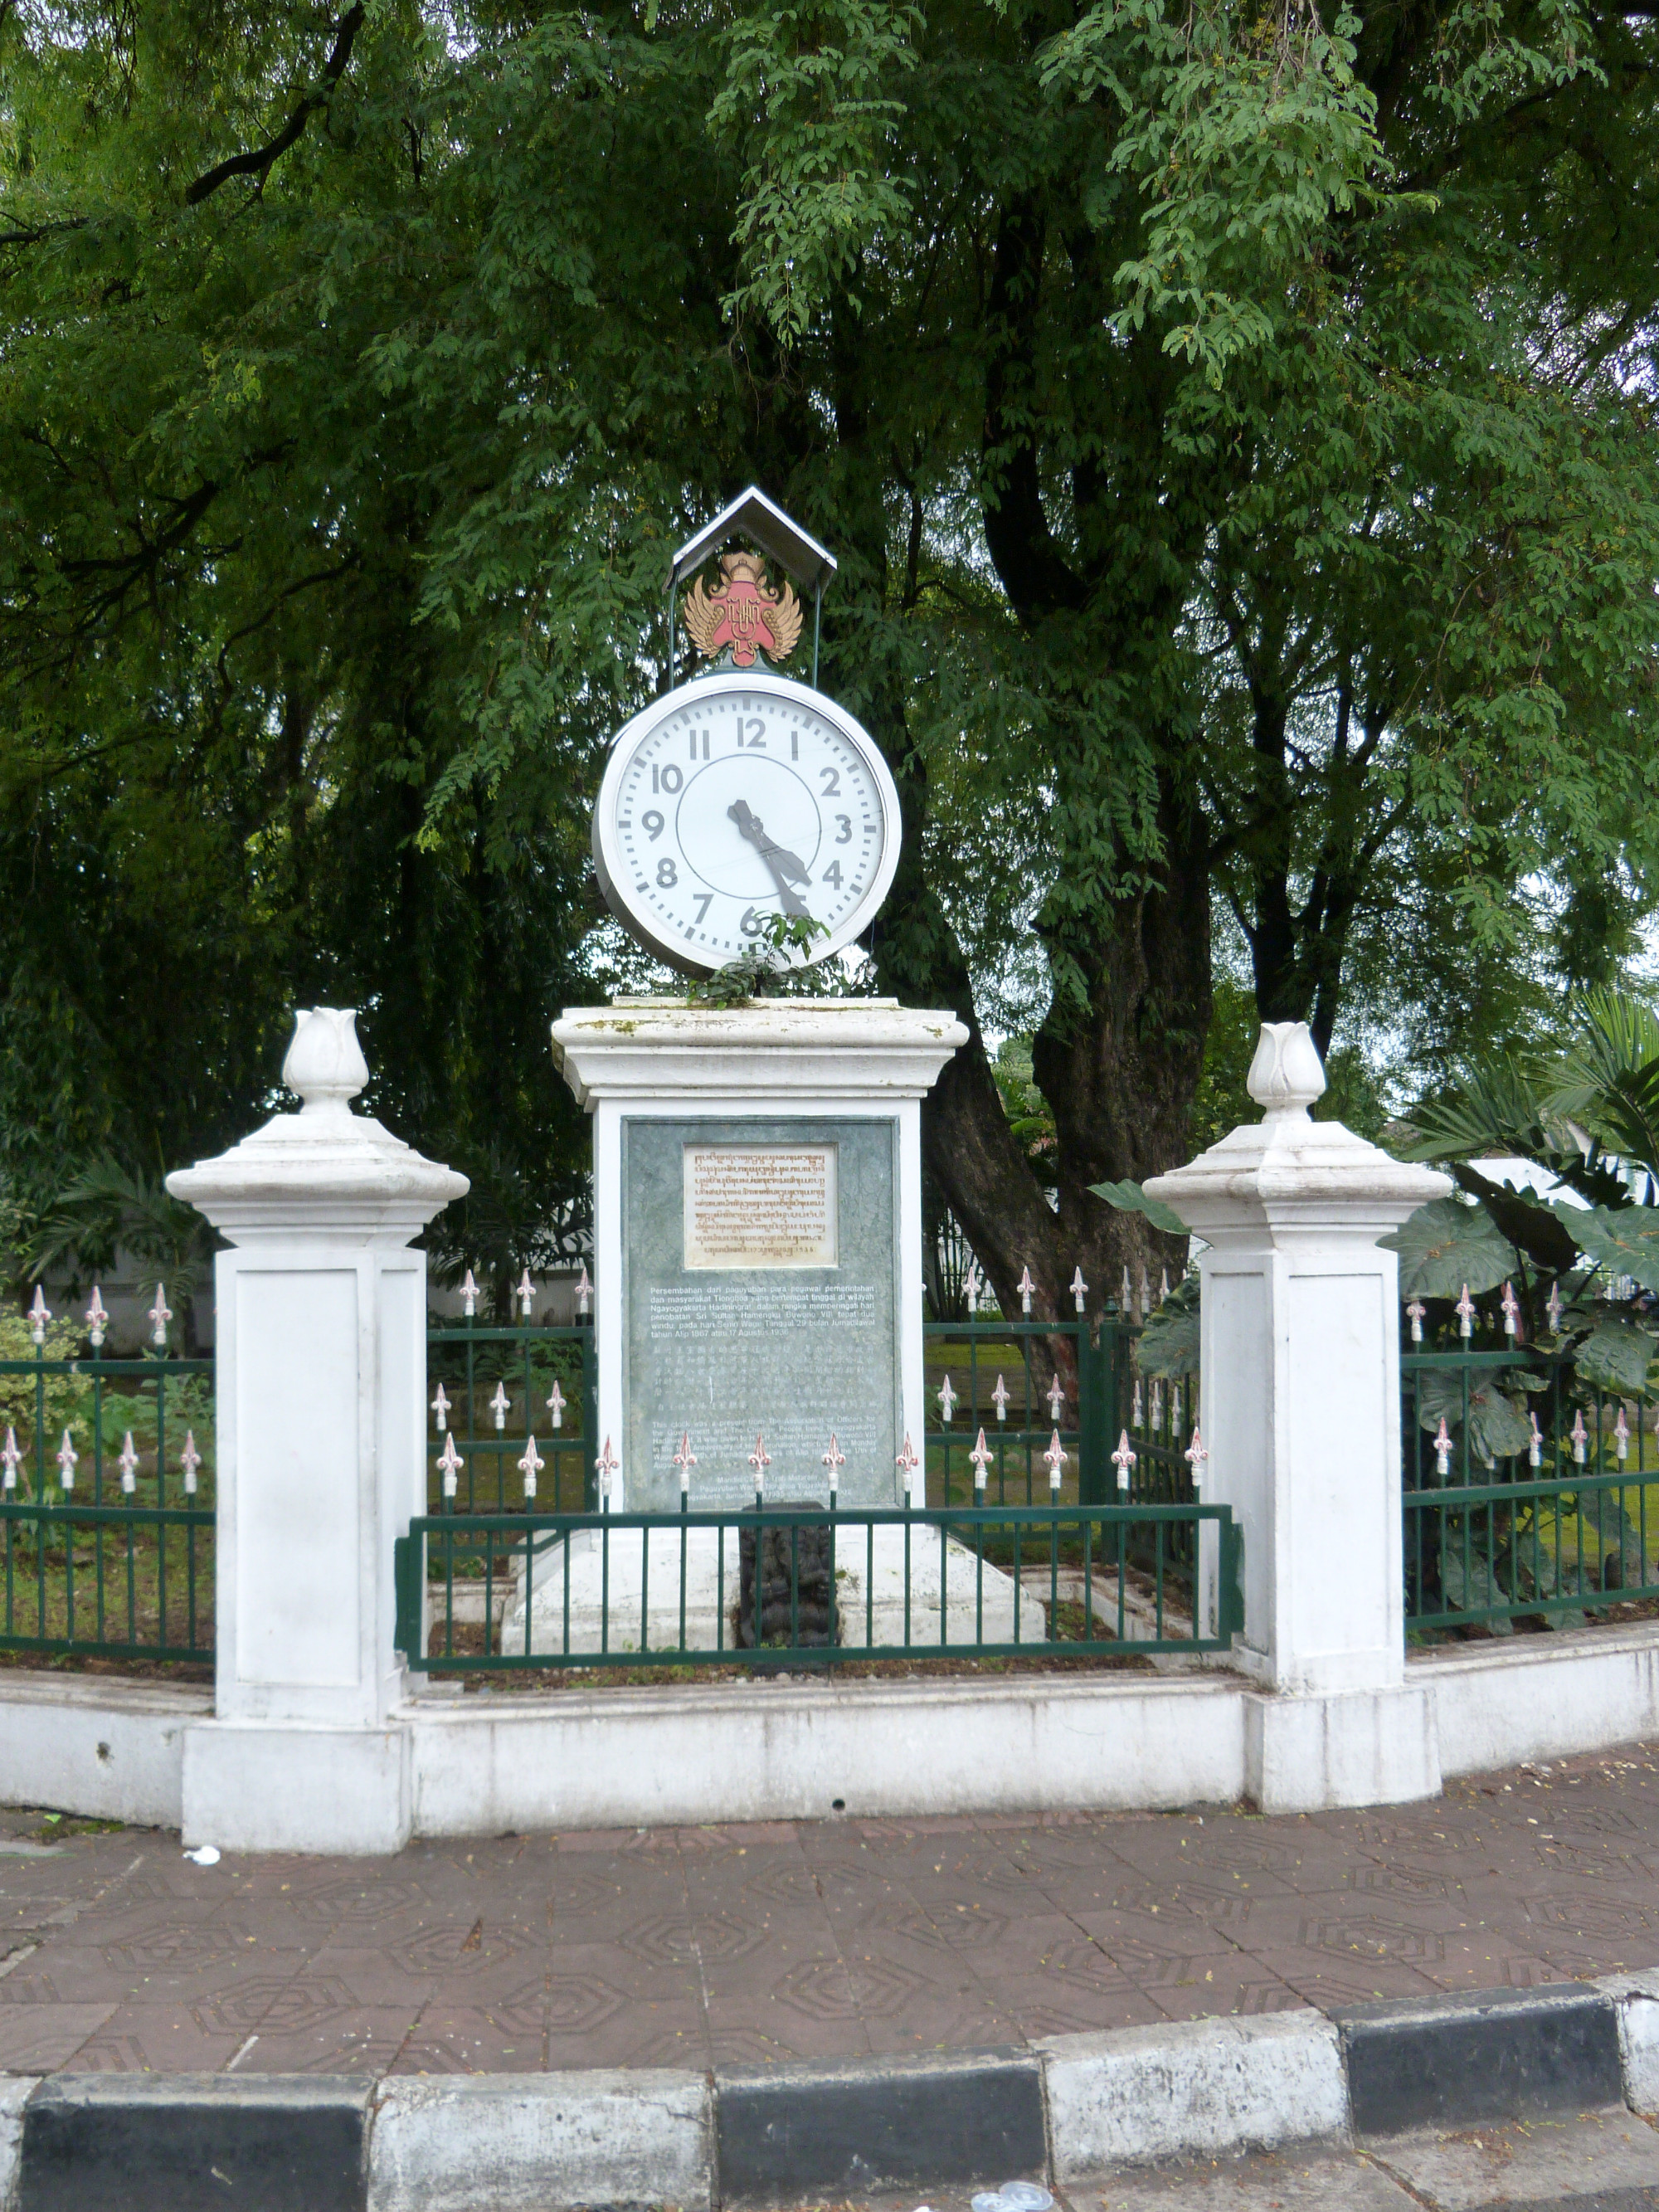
{"x":817,"y":1939}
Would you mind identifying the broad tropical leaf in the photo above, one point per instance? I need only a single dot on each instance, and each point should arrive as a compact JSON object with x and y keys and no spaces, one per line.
{"x":1444,"y":1245}
{"x":1474,"y":1587}
{"x":1498,"y":1428}
{"x":1625,"y":1242}
{"x":1129,"y":1198}
{"x":1616,"y":1355}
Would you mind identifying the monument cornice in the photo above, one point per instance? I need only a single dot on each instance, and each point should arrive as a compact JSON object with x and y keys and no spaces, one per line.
{"x":825,"y":1048}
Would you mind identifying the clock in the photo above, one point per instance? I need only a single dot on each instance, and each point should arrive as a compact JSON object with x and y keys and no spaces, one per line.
{"x":741,"y":795}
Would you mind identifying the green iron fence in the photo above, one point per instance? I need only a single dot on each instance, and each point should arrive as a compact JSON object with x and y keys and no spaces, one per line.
{"x":1528,"y":1495}
{"x":808,"y":1586}
{"x":496,"y":1392}
{"x":107,"y":1504}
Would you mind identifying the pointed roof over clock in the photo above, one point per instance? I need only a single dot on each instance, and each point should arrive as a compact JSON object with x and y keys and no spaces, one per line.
{"x":753,"y":516}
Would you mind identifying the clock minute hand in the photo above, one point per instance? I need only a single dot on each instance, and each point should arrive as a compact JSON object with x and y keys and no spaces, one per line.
{"x":782,"y":864}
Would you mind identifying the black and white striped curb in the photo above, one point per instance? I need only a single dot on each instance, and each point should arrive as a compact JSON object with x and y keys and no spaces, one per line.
{"x":1072,"y":2106}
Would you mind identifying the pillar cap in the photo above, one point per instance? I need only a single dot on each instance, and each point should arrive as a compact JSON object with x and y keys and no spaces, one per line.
{"x":1290,"y":1170}
{"x":324,"y":1168}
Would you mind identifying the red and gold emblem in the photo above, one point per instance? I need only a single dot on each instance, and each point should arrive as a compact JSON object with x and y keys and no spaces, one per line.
{"x":744,"y":613}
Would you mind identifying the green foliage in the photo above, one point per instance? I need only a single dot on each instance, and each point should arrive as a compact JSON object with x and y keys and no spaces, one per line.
{"x":1129,"y":1198}
{"x":1497,"y":1426}
{"x":1446,"y":1245}
{"x":1233,"y":429}
{"x":1169,"y":1343}
{"x":783,"y":941}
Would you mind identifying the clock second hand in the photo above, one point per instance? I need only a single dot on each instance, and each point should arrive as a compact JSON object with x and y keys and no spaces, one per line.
{"x":782,"y":864}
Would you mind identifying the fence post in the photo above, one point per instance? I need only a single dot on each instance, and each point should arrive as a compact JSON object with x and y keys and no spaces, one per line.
{"x":1301,"y":1416}
{"x":321,"y":1406}
{"x":1095,"y":1411}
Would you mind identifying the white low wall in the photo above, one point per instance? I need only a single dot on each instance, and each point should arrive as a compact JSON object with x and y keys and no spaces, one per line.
{"x":793,"y":1750}
{"x":1542,"y":1696}
{"x":95,"y":1744}
{"x":790,"y":1749}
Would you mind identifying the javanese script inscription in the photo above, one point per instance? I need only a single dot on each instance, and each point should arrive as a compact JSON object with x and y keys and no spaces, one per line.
{"x":759,"y":1205}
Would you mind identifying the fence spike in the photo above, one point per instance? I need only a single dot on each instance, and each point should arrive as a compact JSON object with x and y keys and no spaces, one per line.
{"x":1025,"y":1286}
{"x":907,"y":1463}
{"x":1465,"y":1311}
{"x":1415,"y":1312}
{"x":449,"y":1465}
{"x":1128,"y":1298}
{"x":68,"y":1459}
{"x":1195,"y":1456}
{"x":835,"y":1459}
{"x":999,"y":1398}
{"x":9,"y":1458}
{"x":981,"y":1457}
{"x":1580,"y":1438}
{"x":556,"y":1404}
{"x":607,"y":1465}
{"x":1443,"y":1450}
{"x":97,"y":1319}
{"x":190,"y":1459}
{"x":1511,"y":1311}
{"x":760,"y":1459}
{"x":1163,"y":1286}
{"x":1535,"y":1448}
{"x":39,"y":1315}
{"x":1553,"y":1308}
{"x":1077,"y":1287}
{"x":498,"y":1405}
{"x":159,"y":1314}
{"x":440,"y":1408}
{"x":947,"y":1399}
{"x":1621,"y":1435}
{"x":526,"y":1293}
{"x":1156,"y":1398}
{"x":583,"y":1290}
{"x":531,"y":1466}
{"x":1123,"y":1458}
{"x":1137,"y":1415}
{"x":1055,"y":1456}
{"x":128,"y":1463}
{"x":1056,"y":1400}
{"x":1146,"y":1292}
{"x":469,"y":1297}
{"x":685,"y":1458}
{"x":970,"y":1285}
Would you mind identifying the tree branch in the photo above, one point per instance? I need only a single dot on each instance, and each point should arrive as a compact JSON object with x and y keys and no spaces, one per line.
{"x":259,"y":160}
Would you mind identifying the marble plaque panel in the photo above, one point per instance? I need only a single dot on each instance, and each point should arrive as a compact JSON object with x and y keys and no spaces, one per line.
{"x":760,"y":1294}
{"x":759,"y":1205}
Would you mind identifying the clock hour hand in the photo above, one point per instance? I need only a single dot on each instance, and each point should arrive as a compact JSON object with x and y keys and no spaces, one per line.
{"x":783,"y":864}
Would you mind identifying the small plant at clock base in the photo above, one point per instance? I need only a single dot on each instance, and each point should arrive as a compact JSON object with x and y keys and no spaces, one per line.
{"x":757,"y":974}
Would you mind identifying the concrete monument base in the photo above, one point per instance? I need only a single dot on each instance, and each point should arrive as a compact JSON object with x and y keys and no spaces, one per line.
{"x":286,"y":1785}
{"x":1308,"y":1754}
{"x":637,"y":1585}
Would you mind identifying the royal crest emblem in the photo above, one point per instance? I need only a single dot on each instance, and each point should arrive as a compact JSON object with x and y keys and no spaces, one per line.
{"x":742,"y":615}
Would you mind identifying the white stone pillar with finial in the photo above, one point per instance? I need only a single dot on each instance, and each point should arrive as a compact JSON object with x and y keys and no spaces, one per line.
{"x":1300,"y":1381}
{"x":321,"y":1405}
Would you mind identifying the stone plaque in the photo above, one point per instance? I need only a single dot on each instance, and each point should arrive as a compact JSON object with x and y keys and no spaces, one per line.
{"x":760,"y":1292}
{"x":759,"y":1205}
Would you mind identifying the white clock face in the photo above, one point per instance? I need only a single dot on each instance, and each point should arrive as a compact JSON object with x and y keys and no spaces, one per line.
{"x":737,"y":797}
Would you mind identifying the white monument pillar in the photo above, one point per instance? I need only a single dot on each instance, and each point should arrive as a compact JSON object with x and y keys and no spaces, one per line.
{"x":1300,"y":1385}
{"x":836,"y":1085}
{"x":321,"y":1391}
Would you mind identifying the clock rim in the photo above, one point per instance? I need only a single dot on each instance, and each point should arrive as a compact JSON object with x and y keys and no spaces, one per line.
{"x":607,"y":858}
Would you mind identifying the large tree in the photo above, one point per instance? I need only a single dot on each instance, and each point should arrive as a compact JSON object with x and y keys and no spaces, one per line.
{"x":1234,"y":425}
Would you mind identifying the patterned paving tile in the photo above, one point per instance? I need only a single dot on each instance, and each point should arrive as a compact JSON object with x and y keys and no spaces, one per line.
{"x":755,"y":1944}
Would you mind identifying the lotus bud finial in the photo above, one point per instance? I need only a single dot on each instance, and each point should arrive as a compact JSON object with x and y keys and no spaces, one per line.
{"x":326,"y":1067}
